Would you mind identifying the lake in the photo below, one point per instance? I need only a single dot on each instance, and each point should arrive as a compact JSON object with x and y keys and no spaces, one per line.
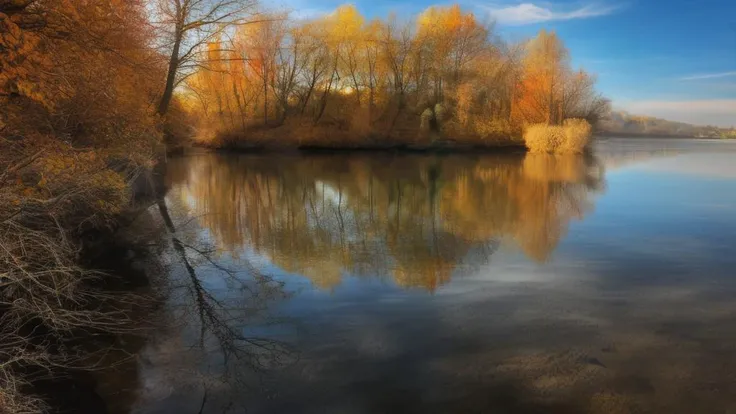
{"x":503,"y":283}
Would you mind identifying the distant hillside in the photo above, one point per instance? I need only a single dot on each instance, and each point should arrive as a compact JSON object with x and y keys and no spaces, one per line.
{"x":623,"y":123}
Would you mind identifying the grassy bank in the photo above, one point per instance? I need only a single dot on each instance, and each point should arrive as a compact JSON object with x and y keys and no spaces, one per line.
{"x":77,"y":134}
{"x":60,"y":208}
{"x":373,"y":144}
{"x":408,"y":133}
{"x":574,"y":136}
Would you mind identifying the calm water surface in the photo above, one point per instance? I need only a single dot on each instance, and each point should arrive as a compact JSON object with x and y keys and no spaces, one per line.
{"x":465,"y":283}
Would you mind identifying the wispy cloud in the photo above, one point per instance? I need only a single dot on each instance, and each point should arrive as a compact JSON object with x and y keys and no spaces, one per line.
{"x":708,"y":76}
{"x":529,"y":13}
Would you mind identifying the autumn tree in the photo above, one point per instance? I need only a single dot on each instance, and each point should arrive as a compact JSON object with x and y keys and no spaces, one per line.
{"x":453,"y":40}
{"x":187,"y":26}
{"x":260,"y":45}
{"x":373,"y":71}
{"x":546,"y":68}
{"x":313,"y":62}
{"x":78,"y":82}
{"x":396,"y":50}
{"x":289,"y":64}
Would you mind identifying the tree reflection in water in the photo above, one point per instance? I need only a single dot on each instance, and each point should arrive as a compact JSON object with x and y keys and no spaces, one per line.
{"x":410,"y":219}
{"x":414,"y":221}
{"x":215,"y":308}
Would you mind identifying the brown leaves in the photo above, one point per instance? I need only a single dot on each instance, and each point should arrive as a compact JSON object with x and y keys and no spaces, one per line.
{"x":20,"y":60}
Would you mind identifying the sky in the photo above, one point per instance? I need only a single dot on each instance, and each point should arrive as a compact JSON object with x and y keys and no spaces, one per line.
{"x":674,"y":59}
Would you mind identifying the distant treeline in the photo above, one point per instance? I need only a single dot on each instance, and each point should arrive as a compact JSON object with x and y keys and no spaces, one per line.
{"x":624,"y":124}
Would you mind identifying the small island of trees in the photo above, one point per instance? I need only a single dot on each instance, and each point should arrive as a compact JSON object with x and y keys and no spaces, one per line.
{"x":340,"y":80}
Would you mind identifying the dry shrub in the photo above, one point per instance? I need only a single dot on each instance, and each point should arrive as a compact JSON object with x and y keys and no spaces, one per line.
{"x":205,"y":134}
{"x":12,"y":398}
{"x":480,"y":131}
{"x":543,"y":138}
{"x":49,"y":192}
{"x":572,"y":137}
{"x":179,"y":128}
{"x":360,"y":123}
{"x":492,"y":129}
{"x":577,"y":136}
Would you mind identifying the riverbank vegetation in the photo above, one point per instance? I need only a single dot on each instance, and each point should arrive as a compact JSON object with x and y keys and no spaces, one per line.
{"x":341,"y":80}
{"x":76,"y":84}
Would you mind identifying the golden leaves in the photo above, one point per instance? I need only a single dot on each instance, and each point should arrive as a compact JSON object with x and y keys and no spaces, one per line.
{"x":413,"y":221}
{"x":549,"y":91}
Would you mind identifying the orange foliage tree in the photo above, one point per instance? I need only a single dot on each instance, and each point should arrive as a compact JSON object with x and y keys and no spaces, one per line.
{"x":77,"y":126}
{"x":549,"y":91}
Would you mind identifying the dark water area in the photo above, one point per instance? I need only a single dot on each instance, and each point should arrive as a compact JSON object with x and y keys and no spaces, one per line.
{"x":508,"y":283}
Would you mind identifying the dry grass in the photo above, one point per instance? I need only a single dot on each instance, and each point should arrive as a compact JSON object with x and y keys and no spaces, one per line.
{"x":48,"y":194}
{"x":577,"y":136}
{"x":294,"y":133}
{"x":572,"y":137}
{"x":543,"y":138}
{"x":360,"y":129}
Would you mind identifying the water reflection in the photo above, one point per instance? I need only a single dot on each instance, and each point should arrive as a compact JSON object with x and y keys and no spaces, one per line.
{"x":631,"y":311}
{"x":415,"y":220}
{"x":211,"y":319}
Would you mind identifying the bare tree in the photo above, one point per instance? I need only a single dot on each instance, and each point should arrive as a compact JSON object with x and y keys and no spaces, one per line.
{"x":190,"y":24}
{"x":315,"y":61}
{"x":289,"y":65}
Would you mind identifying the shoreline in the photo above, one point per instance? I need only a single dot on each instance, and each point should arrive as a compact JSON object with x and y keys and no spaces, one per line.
{"x":439,"y":147}
{"x":443,"y":147}
{"x":127,"y":266}
{"x":606,"y":134}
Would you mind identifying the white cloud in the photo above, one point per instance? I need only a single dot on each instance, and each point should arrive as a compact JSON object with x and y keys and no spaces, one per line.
{"x":721,"y":112}
{"x":528,"y":13}
{"x":709,"y":76}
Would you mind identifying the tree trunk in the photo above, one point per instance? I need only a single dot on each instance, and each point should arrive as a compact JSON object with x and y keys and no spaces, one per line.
{"x":163,"y":106}
{"x":265,"y":101}
{"x":325,"y":94}
{"x":309,"y":95}
{"x":240,"y":104}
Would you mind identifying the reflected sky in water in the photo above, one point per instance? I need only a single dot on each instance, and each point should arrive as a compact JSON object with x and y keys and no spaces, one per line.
{"x":489,"y":283}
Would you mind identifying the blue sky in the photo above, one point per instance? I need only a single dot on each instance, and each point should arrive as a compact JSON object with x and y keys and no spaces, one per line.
{"x":674,"y":59}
